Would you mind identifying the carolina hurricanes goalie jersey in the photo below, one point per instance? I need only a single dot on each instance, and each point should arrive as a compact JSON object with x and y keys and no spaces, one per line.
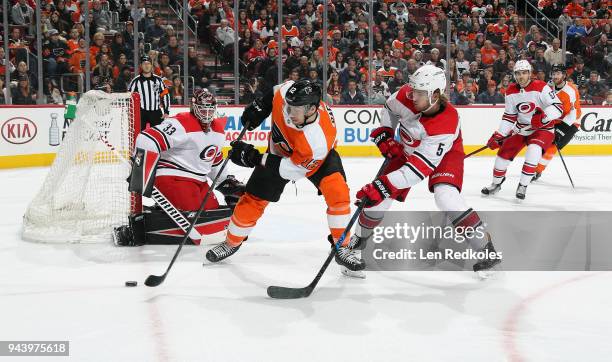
{"x":185,"y":149}
{"x":426,"y":139}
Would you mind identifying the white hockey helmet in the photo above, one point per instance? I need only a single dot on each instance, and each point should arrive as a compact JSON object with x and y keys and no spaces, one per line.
{"x":521,"y":65}
{"x":429,"y":78}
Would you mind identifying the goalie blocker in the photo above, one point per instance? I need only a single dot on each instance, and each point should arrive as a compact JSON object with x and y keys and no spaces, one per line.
{"x":162,"y":224}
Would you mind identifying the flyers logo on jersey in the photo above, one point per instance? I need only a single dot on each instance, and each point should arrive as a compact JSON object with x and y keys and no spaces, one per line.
{"x":526,"y":107}
{"x":209,"y":153}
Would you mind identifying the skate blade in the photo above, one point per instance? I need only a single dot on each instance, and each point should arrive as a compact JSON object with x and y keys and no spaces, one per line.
{"x":359,"y":274}
{"x":489,"y":274}
{"x":486,"y":274}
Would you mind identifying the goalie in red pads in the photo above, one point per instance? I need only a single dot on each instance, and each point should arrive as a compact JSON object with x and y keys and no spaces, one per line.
{"x":179,"y":155}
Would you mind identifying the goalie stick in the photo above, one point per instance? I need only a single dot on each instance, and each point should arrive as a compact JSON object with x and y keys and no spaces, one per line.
{"x":155,"y":280}
{"x":277,"y":292}
{"x":176,"y":216}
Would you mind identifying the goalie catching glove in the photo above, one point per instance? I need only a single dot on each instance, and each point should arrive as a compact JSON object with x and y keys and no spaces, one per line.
{"x":232,"y":189}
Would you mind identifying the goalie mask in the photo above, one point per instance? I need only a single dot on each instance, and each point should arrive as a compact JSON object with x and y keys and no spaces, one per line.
{"x":203,"y":106}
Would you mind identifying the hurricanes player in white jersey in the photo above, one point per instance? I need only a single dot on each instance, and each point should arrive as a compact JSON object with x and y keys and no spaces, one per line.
{"x":189,"y":146}
{"x":529,"y":120}
{"x":568,"y":125}
{"x":430,"y":147}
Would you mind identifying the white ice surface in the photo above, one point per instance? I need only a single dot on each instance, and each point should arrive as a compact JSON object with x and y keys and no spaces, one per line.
{"x":221,"y":312}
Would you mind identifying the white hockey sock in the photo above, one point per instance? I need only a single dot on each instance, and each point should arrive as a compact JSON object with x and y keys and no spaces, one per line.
{"x":532,"y":157}
{"x":371,"y":217}
{"x":449,"y":199}
{"x":499,"y":170}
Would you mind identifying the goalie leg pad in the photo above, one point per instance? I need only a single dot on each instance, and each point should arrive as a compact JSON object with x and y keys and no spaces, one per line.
{"x":160,"y":229}
{"x":143,"y":172}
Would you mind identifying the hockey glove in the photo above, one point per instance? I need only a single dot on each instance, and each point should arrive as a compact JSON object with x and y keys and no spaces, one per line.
{"x":539,"y":120}
{"x":256,"y":112}
{"x":495,"y":141}
{"x":244,"y":154}
{"x":232,"y":189}
{"x":564,"y":134}
{"x":383,"y":138}
{"x":374,"y":193}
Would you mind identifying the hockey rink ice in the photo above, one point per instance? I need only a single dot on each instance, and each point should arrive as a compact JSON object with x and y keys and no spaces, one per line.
{"x":222,"y":313}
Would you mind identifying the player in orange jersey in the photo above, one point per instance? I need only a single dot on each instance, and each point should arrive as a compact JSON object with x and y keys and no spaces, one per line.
{"x":567,"y":126}
{"x":302,"y":144}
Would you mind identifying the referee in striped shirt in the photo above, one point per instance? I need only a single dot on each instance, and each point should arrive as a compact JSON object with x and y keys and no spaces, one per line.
{"x":154,"y":96}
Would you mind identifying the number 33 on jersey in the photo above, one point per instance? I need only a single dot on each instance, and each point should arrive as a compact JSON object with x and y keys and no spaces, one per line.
{"x":185,"y":149}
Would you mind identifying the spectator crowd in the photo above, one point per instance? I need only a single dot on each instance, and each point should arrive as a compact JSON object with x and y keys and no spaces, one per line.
{"x":486,"y":38}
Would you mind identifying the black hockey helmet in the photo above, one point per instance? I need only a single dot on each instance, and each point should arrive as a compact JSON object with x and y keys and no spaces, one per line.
{"x":303,"y":93}
{"x":558,"y":68}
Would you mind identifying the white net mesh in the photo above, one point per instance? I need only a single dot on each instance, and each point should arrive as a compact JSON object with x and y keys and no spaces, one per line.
{"x":85,"y":193}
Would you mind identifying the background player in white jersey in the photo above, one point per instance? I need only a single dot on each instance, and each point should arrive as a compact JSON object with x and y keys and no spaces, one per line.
{"x":430,"y":146}
{"x":568,"y":125}
{"x":529,"y":119}
{"x":189,"y":146}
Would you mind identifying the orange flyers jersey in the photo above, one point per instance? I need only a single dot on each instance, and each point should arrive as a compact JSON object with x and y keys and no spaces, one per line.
{"x":570,"y":101}
{"x":303,"y":149}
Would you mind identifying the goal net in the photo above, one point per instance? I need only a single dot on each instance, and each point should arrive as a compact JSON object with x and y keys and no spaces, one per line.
{"x":85,"y":193}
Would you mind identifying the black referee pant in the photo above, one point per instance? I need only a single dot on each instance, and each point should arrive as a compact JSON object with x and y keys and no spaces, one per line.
{"x":152,"y":117}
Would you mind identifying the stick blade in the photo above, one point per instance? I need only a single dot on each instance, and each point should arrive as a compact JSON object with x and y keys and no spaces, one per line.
{"x":288,"y":293}
{"x":154,"y":280}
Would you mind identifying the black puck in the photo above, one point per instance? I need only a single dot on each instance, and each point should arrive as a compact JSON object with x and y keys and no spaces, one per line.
{"x":131,"y":283}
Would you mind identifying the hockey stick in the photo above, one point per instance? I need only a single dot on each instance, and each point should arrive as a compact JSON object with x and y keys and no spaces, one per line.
{"x":500,"y":140}
{"x":483,"y":148}
{"x":155,"y":280}
{"x":295,"y":293}
{"x":565,"y":166}
{"x":172,"y":212}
